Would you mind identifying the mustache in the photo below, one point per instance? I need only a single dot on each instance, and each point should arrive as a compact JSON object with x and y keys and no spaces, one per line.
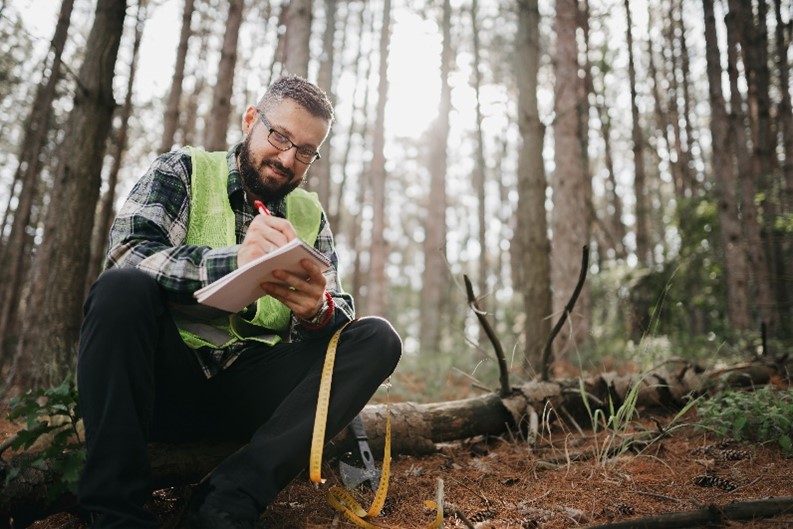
{"x":278,"y":166}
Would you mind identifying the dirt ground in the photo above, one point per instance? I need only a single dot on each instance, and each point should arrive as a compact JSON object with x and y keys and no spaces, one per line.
{"x":499,"y":483}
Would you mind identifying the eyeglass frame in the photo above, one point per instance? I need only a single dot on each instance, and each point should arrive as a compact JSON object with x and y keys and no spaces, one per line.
{"x":314,"y":156}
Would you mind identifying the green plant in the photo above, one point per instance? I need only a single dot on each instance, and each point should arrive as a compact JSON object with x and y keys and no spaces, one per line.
{"x":616,"y":423}
{"x":762,"y":415}
{"x":618,"y":440}
{"x":51,"y":418}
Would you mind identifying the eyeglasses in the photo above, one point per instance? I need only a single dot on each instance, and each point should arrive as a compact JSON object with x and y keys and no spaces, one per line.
{"x":305,"y":155}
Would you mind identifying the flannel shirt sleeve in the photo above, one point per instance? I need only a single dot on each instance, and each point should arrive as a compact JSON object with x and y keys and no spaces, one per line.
{"x":344,"y":310}
{"x":150,"y":229}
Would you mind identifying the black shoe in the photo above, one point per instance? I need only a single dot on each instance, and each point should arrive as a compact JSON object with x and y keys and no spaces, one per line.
{"x":202,"y":514}
{"x":207,"y":516}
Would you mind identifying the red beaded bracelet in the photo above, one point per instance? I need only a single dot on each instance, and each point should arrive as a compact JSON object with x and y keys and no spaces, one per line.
{"x":327,"y":313}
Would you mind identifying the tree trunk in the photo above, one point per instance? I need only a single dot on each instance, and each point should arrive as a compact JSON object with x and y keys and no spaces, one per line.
{"x":53,"y":314}
{"x":417,"y":428}
{"x":435,"y":279}
{"x":685,"y":150}
{"x":735,"y":267}
{"x":643,"y":249}
{"x":189,"y":126}
{"x":375,"y":297}
{"x":785,"y":109}
{"x":533,"y":247}
{"x":296,"y":39}
{"x":171,"y":117}
{"x":355,"y":220}
{"x":785,"y":134}
{"x":362,"y":66}
{"x":662,"y":119}
{"x":105,"y":214}
{"x":480,"y":166}
{"x":15,"y":253}
{"x":755,"y":251}
{"x":753,"y":35}
{"x":570,"y":214}
{"x":613,"y":223}
{"x":319,"y":178}
{"x":218,"y":124}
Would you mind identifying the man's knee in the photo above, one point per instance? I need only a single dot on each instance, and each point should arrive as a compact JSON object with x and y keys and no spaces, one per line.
{"x":382,"y":339}
{"x":125,"y":289}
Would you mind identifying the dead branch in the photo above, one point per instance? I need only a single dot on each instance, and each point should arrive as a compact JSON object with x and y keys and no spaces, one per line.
{"x":546,"y":354}
{"x":503,"y":370}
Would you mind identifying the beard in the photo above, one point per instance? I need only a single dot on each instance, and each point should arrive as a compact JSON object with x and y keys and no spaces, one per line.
{"x":260,"y":185}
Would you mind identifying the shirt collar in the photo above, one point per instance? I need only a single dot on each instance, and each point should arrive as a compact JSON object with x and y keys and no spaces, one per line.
{"x":235,"y":181}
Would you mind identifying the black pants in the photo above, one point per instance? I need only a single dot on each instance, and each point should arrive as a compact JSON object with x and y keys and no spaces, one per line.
{"x":138,"y":382}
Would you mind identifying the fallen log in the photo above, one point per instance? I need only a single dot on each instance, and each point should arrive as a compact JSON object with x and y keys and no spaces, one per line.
{"x":416,"y":428}
{"x":712,"y":514}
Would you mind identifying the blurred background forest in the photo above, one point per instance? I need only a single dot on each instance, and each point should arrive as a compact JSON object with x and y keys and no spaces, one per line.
{"x":488,"y":138}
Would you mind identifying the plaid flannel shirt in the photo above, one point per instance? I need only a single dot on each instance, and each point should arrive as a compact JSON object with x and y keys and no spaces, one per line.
{"x":149,"y":232}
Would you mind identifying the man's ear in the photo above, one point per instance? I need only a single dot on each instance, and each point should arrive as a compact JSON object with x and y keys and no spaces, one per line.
{"x":249,"y":119}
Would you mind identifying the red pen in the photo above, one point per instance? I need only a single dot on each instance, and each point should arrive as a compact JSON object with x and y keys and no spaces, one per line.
{"x":261,"y":207}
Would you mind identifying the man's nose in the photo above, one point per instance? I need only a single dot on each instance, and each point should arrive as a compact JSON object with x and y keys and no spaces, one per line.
{"x":287,"y":157}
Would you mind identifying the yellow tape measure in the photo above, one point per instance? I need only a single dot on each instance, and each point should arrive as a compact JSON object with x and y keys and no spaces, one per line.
{"x":338,"y":498}
{"x":321,"y":416}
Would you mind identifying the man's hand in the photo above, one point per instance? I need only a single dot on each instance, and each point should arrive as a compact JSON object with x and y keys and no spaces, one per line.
{"x":303,"y":296}
{"x":264,"y":235}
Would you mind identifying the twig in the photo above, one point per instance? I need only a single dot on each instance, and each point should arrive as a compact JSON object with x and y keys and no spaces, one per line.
{"x":439,"y":498}
{"x":659,"y":496}
{"x":502,"y":360}
{"x":452,"y":509}
{"x":546,"y":355}
{"x":534,"y":427}
{"x":475,"y":383}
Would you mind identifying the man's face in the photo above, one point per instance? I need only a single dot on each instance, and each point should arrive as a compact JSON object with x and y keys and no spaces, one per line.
{"x":267,"y":172}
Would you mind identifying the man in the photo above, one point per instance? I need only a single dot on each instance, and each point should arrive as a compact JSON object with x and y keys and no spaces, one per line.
{"x":154,"y":365}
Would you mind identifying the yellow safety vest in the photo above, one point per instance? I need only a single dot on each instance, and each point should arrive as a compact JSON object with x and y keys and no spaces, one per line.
{"x":212,"y":223}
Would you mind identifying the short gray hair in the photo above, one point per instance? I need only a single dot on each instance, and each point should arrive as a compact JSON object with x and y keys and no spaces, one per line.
{"x":306,"y":94}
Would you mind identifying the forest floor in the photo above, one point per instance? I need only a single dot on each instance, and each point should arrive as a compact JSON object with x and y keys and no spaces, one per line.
{"x":498,"y":483}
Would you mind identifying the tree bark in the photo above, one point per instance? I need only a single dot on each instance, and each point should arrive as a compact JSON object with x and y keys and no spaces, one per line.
{"x":319,"y":178}
{"x":105,"y":214}
{"x":355,"y":220}
{"x":643,"y":249}
{"x":754,"y":47}
{"x":362,"y":66}
{"x":785,"y":108}
{"x":221,"y":97}
{"x":171,"y":117}
{"x":296,"y":39}
{"x":480,"y":166}
{"x":756,"y":252}
{"x":375,"y":297}
{"x":15,"y":253}
{"x":570,"y":214}
{"x":684,"y":148}
{"x":53,"y":314}
{"x":189,"y":125}
{"x":735,"y":267}
{"x":417,"y":428}
{"x":435,"y":277}
{"x":533,"y":247}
